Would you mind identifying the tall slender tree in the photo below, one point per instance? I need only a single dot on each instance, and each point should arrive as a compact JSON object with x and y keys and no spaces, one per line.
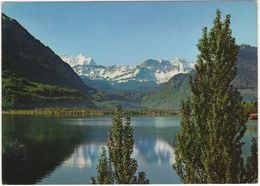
{"x":105,"y":173}
{"x":251,"y":164}
{"x":213,"y":119}
{"x":118,"y":166}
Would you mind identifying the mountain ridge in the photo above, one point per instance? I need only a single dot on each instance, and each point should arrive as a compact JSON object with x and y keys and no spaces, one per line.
{"x":27,"y":57}
{"x":34,"y":76}
{"x":158,"y":71}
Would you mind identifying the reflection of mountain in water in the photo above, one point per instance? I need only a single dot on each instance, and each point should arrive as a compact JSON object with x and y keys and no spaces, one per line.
{"x":148,"y":147}
{"x":164,"y":152}
{"x":84,"y":156}
{"x":58,"y":150}
{"x":156,"y":151}
{"x":31,"y":150}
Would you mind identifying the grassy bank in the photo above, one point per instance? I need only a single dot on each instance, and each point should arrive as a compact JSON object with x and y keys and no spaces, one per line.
{"x":86,"y":112}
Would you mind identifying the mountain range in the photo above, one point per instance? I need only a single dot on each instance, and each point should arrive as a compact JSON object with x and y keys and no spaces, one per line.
{"x":34,"y":76}
{"x":144,"y":77}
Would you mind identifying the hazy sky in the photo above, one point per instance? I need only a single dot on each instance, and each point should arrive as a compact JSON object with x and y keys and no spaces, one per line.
{"x":130,"y":32}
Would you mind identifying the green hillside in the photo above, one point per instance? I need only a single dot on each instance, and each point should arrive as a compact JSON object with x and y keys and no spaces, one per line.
{"x":34,"y":76}
{"x":246,"y":79}
{"x":170,"y":94}
{"x":19,"y":93}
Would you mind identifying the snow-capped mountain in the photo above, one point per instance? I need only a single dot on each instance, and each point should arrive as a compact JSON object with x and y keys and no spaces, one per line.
{"x":78,"y":60}
{"x":157,"y":71}
{"x":163,"y":70}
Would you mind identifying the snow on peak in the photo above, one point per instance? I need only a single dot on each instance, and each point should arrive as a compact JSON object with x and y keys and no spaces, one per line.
{"x":78,"y":60}
{"x":83,"y":60}
{"x":151,"y":70}
{"x":178,"y":61}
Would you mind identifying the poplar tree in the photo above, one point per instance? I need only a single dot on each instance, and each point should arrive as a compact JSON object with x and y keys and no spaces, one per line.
{"x":208,"y":147}
{"x":118,"y":167}
{"x":105,"y":174}
{"x":251,"y":164}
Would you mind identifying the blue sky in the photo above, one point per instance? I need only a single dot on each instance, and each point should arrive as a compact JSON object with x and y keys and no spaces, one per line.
{"x":130,"y":32}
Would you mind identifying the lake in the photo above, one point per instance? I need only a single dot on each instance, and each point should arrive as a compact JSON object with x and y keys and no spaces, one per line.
{"x":52,"y":150}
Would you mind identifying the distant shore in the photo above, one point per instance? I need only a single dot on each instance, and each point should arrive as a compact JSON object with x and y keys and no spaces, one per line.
{"x":86,"y":112}
{"x":95,"y":112}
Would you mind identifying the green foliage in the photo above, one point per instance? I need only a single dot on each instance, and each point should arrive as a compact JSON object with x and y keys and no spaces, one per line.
{"x":104,"y":169}
{"x":21,"y":93}
{"x":213,"y":120}
{"x":250,"y":107}
{"x":251,"y":164}
{"x":140,"y":179}
{"x":60,"y":111}
{"x":119,"y":167}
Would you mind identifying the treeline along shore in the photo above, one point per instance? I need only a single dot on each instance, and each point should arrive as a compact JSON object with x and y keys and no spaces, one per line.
{"x":248,"y":107}
{"x":86,"y":112}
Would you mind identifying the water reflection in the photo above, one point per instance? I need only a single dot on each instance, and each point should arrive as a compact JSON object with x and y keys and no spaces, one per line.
{"x":155,"y":152}
{"x":31,"y":151}
{"x":164,"y":152}
{"x":66,"y":150}
{"x":84,"y":156}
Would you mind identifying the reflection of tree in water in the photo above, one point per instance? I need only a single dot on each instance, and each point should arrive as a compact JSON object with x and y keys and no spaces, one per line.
{"x":152,"y":144}
{"x":33,"y":150}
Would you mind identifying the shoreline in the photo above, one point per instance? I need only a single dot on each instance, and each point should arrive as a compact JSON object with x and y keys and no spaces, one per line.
{"x":85,"y":112}
{"x":92,"y":112}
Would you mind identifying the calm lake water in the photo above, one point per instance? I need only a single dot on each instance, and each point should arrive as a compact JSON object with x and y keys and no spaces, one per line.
{"x":66,"y":150}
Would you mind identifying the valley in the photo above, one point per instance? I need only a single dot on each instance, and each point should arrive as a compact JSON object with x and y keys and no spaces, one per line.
{"x":35,"y":77}
{"x":160,"y":84}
